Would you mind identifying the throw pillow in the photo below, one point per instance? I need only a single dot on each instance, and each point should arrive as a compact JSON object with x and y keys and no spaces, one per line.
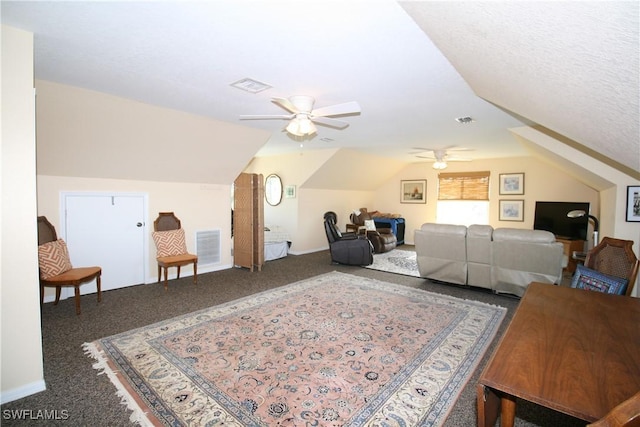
{"x":53,"y":258}
{"x":370,"y":225}
{"x":170,"y":243}
{"x":586,"y":278}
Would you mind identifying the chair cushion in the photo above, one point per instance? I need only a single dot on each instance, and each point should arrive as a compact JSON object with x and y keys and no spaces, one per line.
{"x":586,"y":278}
{"x":170,"y":243}
{"x":53,"y":258}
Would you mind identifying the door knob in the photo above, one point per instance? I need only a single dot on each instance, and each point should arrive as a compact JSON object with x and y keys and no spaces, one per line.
{"x":139,"y":224}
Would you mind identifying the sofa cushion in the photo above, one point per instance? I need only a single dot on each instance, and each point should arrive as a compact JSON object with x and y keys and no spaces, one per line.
{"x":53,"y":258}
{"x":450,"y":229}
{"x":529,"y":236}
{"x":586,"y":278}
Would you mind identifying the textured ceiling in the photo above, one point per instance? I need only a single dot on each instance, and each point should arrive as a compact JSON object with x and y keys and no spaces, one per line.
{"x":555,"y":63}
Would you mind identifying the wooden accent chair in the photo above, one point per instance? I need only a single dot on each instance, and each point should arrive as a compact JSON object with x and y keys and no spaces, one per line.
{"x":168,"y":236}
{"x":626,"y":414}
{"x":55,"y":266}
{"x":616,"y":258}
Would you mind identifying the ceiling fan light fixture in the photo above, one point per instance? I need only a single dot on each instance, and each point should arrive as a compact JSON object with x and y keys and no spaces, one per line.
{"x":301,"y":127}
{"x":439,"y":165}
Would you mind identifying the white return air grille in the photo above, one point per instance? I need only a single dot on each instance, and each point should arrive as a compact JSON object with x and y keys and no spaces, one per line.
{"x":208,"y":247}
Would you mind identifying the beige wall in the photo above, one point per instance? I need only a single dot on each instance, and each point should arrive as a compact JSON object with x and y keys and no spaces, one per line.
{"x":542,"y":183}
{"x":199,"y":207}
{"x":90,"y":134}
{"x":21,"y":355}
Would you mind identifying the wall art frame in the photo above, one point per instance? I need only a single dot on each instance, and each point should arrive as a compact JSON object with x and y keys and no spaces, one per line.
{"x":290,"y":192}
{"x":413,"y":191}
{"x":512,"y":184}
{"x":511,"y":210}
{"x":633,"y":203}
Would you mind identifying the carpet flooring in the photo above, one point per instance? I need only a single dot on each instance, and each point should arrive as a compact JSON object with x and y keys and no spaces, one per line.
{"x":90,"y":400}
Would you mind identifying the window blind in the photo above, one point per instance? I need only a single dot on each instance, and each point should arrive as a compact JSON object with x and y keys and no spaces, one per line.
{"x":463,"y":186}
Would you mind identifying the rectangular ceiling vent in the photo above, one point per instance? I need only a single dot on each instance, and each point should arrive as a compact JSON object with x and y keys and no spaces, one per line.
{"x":250,"y":85}
{"x":464,"y":120}
{"x":208,"y":247}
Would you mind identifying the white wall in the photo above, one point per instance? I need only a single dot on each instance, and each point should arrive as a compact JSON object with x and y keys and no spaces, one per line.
{"x":21,"y":365}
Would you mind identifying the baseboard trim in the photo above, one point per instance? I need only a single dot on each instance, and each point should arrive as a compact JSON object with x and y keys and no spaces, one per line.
{"x":24,"y":391}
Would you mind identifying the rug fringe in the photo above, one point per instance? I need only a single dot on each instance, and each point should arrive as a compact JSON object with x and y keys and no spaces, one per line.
{"x":138,"y":415}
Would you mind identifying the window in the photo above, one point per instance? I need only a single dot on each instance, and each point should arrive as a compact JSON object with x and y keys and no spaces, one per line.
{"x":463,"y":198}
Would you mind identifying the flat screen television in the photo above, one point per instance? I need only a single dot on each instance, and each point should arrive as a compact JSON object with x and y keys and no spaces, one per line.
{"x":552,"y":216}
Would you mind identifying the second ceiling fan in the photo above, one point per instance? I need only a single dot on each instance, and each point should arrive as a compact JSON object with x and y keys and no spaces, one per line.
{"x":303,"y":116}
{"x":441,"y":155}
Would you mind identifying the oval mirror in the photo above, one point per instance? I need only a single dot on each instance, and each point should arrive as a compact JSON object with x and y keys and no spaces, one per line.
{"x":273,"y":189}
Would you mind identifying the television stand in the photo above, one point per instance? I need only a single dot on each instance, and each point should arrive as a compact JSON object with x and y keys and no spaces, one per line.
{"x":569,"y":247}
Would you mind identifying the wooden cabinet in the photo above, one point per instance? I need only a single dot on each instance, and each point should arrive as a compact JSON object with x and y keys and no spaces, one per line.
{"x":571,"y":246}
{"x":248,"y":221}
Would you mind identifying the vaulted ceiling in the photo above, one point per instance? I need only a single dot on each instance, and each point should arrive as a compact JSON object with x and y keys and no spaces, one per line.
{"x":414,"y":67}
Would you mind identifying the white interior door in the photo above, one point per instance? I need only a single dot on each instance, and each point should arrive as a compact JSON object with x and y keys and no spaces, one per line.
{"x":107,"y":230}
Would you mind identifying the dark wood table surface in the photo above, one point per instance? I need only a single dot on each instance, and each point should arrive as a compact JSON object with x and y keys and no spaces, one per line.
{"x":571,"y":350}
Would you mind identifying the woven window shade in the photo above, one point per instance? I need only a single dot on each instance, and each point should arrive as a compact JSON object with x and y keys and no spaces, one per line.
{"x":463,"y":186}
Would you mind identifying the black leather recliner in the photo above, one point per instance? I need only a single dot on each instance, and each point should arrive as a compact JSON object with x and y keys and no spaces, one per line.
{"x":346,"y":248}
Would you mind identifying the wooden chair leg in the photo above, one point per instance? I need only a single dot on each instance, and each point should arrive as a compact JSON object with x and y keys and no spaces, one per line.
{"x":77,"y":292}
{"x":58,"y":289}
{"x":99,"y":288}
{"x":159,"y":273}
{"x":41,"y":295}
{"x":166,"y":278}
{"x":195,"y":273}
{"x":178,"y":272}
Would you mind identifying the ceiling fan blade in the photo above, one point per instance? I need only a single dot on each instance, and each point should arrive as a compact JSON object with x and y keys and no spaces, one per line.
{"x":458,"y":159}
{"x":267,"y":116}
{"x":337,"y":109}
{"x":329,"y":122}
{"x":286,"y":104}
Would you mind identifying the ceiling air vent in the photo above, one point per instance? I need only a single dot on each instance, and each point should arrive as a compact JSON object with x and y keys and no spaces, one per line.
{"x":464,"y":120}
{"x":250,"y":85}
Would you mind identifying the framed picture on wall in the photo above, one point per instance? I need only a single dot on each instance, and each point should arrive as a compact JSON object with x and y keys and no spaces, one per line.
{"x":290,"y":192}
{"x":414,"y":191}
{"x":511,"y":183}
{"x":633,"y":203}
{"x":511,"y":210}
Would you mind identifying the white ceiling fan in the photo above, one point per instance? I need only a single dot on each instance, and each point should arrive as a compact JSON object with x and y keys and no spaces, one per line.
{"x":441,"y":155}
{"x":303,"y":116}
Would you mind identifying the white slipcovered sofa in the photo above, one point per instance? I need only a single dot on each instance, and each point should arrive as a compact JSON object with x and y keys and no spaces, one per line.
{"x":504,"y":260}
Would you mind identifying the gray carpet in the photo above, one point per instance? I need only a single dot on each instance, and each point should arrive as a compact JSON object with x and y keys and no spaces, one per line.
{"x":90,"y":400}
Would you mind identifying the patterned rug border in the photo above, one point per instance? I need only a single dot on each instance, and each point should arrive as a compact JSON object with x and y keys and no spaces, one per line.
{"x":445,"y":399}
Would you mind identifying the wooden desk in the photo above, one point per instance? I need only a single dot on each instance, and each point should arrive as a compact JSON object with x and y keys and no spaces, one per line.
{"x":570,"y":350}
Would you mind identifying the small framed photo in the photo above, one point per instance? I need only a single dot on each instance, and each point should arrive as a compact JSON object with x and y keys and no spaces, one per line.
{"x":414,"y":191}
{"x":511,"y":183}
{"x":290,"y":192}
{"x":633,"y":203}
{"x":511,"y":210}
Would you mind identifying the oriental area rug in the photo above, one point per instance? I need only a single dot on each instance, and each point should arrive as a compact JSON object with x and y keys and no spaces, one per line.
{"x":396,"y":261}
{"x":333,"y":350}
